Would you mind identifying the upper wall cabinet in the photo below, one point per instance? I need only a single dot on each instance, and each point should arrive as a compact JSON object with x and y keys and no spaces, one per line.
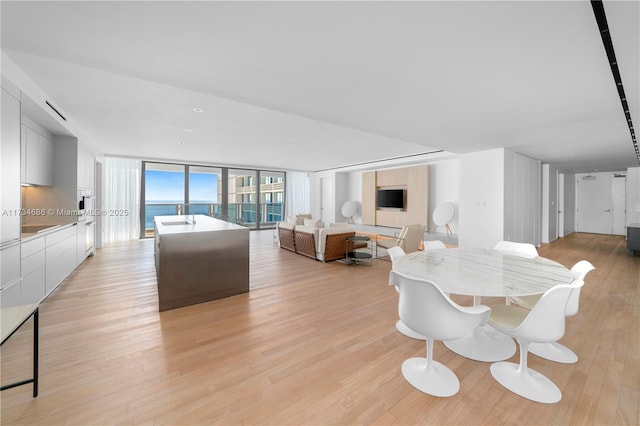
{"x":10,"y":173}
{"x":37,"y":157}
{"x":86,"y":168}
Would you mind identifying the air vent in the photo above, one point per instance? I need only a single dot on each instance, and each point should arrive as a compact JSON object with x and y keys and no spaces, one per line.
{"x":55,"y":110}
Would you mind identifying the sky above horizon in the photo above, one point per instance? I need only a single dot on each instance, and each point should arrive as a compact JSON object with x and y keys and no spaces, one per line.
{"x":168,"y":186}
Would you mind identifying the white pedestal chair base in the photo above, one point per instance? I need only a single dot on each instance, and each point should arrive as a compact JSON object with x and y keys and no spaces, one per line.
{"x":402,"y":328}
{"x":484,"y":344}
{"x":526,"y":382}
{"x":554,"y":352}
{"x":436,"y":380}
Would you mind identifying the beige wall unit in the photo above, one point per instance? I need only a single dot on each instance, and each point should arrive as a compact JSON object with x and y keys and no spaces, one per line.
{"x":369,"y":198}
{"x":415,"y":180}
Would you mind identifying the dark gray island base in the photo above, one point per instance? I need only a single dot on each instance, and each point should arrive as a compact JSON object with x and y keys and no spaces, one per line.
{"x":198,"y":259}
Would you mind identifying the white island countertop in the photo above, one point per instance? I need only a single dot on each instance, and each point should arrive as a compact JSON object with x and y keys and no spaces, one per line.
{"x":184,"y":224}
{"x":199,"y":259}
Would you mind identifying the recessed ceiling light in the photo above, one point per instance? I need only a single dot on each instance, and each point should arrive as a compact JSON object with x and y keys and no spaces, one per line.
{"x":198,"y":110}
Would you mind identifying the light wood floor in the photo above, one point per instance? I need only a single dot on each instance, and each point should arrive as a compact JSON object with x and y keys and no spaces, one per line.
{"x":312,"y":343}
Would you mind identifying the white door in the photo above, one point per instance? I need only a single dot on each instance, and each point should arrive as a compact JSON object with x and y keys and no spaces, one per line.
{"x":594,"y":211}
{"x":326,"y":201}
{"x":560,"y":205}
{"x":619,"y":200}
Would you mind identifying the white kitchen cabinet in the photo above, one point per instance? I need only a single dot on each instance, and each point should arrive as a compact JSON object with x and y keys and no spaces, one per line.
{"x":23,"y":153}
{"x":10,"y":296}
{"x":86,"y":168}
{"x":9,"y":264}
{"x":61,"y":256}
{"x":33,"y":270}
{"x":39,"y":158}
{"x":10,"y":273}
{"x":10,"y":168}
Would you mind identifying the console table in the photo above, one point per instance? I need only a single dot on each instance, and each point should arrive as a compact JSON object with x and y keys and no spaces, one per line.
{"x":12,"y":319}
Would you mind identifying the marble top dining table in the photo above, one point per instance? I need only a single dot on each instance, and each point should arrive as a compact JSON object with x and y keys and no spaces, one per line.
{"x":483,"y":272}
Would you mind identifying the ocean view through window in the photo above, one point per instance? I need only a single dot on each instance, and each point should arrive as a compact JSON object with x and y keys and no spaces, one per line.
{"x":252,"y":198}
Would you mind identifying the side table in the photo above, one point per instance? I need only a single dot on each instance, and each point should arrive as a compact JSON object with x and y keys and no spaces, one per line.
{"x":358,"y":254}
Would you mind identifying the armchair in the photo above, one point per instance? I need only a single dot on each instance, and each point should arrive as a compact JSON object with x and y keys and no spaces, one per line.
{"x":408,"y":239}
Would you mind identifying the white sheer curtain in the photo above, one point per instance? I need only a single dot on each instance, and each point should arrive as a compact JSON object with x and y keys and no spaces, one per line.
{"x":122,"y":199}
{"x":297,"y":198}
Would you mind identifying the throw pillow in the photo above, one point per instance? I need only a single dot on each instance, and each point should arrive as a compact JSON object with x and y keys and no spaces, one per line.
{"x":313,"y":223}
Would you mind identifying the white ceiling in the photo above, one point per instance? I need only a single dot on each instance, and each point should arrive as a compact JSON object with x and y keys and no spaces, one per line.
{"x":319,"y":85}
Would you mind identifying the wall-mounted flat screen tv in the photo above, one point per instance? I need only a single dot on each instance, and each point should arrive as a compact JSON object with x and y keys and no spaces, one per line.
{"x":391,"y":199}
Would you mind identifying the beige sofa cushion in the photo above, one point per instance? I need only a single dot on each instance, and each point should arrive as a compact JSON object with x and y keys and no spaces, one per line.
{"x":313,"y":223}
{"x":286,"y":225}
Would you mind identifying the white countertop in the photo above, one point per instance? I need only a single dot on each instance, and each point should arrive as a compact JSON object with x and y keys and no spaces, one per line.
{"x":184,"y":224}
{"x":46,"y":229}
{"x":13,"y":317}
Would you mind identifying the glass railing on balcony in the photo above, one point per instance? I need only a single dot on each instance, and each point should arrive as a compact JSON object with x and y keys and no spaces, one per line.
{"x":240,"y":213}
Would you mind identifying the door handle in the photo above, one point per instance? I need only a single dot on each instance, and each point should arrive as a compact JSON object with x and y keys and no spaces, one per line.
{"x":608,"y":210}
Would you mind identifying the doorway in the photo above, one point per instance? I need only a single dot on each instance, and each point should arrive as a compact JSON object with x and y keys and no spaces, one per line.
{"x":601,"y":203}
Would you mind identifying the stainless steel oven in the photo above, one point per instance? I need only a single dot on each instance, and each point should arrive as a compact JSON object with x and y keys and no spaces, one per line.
{"x":86,"y":204}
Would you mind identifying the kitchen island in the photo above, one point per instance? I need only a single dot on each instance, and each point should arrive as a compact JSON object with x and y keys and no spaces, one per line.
{"x":198,"y":259}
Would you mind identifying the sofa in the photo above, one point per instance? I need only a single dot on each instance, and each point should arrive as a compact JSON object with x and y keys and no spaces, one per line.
{"x":312,"y":240}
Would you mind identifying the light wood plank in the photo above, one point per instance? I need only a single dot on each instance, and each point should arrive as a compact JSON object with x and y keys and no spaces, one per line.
{"x":312,"y":343}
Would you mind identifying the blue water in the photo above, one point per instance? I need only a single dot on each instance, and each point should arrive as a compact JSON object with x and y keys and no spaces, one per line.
{"x":274,"y":211}
{"x":162,"y":210}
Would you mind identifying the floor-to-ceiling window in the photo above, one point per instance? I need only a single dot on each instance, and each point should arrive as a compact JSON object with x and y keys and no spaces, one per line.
{"x":242,"y":197}
{"x":271,"y":197}
{"x":205,"y":191}
{"x":253,"y":198}
{"x":163,"y":190}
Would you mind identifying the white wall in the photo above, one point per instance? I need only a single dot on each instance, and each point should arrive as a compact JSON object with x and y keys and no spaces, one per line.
{"x":545,"y":204}
{"x":522,"y":210}
{"x":569,"y":203}
{"x":552,"y":231}
{"x":633,"y":195}
{"x":444,"y":185}
{"x":481,"y":217}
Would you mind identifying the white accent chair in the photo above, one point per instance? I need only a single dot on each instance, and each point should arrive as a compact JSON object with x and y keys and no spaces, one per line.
{"x":433,"y":245}
{"x":555,"y":351}
{"x":524,"y":249}
{"x":442,"y":215}
{"x":426,"y":309}
{"x":520,"y":249}
{"x":408,"y":239}
{"x":395,"y":253}
{"x":545,"y":322}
